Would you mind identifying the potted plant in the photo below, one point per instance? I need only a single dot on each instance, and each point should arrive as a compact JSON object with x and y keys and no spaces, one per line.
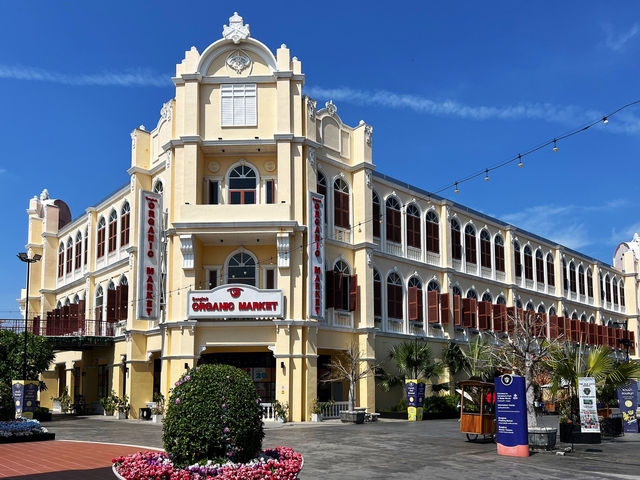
{"x":109,"y":404}
{"x":316,"y":411}
{"x":157,"y":411}
{"x":123,"y":407}
{"x":62,"y":403}
{"x":281,"y":411}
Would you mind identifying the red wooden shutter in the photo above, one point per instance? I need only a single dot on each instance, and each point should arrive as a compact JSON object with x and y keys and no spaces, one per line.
{"x":584,"y":332}
{"x":469,"y":312}
{"x":413,"y":303}
{"x":575,"y":330}
{"x":111,"y":306}
{"x":353,"y":293}
{"x":611,"y":335}
{"x":124,"y":302}
{"x":632,"y":346}
{"x":553,"y":327}
{"x":117,"y":304}
{"x":541,"y":325}
{"x":619,"y":336}
{"x":330,"y":287}
{"x":445,"y":310}
{"x":457,"y":317}
{"x":601,"y":335}
{"x":499,"y":316}
{"x":432,"y":306}
{"x":511,"y":320}
{"x":377,"y":298}
{"x":484,"y":315}
{"x":593,"y":334}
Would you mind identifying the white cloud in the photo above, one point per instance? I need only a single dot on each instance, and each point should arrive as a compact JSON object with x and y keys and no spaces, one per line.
{"x":625,"y":234}
{"x":617,"y":41}
{"x":566,"y":115}
{"x":132,"y":78}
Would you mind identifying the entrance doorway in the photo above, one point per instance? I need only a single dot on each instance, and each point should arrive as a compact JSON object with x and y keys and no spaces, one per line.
{"x":261,"y":367}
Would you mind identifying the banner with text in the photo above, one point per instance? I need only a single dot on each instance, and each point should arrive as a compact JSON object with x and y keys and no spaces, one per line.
{"x":25,"y":395}
{"x":588,"y":405}
{"x":628,"y":401}
{"x":149,"y":255}
{"x":315,"y":298}
{"x":235,"y":301}
{"x":511,"y":416}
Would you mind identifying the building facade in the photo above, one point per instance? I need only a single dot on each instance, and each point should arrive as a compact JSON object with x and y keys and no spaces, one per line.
{"x":255,"y":230}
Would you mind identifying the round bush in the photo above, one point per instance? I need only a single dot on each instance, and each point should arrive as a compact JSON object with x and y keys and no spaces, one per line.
{"x":213,"y":413}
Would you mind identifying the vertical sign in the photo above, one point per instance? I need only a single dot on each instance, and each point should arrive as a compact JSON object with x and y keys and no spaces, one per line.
{"x":628,"y":401}
{"x":511,"y":416}
{"x":25,"y":394}
{"x":316,"y":256}
{"x":588,"y":407}
{"x":149,"y":260}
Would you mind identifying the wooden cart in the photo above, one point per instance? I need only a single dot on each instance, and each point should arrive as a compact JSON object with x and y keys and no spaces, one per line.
{"x":477,"y":410}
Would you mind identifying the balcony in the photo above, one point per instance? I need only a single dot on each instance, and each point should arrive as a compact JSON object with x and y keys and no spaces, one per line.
{"x":414,"y":254}
{"x":433,"y":258}
{"x":394,"y":325}
{"x":500,"y":276}
{"x":528,"y":284}
{"x":486,"y":272}
{"x":393,"y":248}
{"x":342,"y":234}
{"x":67,"y":333}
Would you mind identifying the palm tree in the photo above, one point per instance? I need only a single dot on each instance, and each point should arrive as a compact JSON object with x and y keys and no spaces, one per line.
{"x":479,"y":361}
{"x":571,"y":362}
{"x":413,"y":360}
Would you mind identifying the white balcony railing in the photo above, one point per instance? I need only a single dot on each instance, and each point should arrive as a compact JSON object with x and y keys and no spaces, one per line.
{"x":457,"y":264}
{"x":342,"y":319}
{"x":393,"y":248}
{"x":540,"y":287}
{"x":414,"y":254}
{"x":394,"y":325}
{"x":342,"y":234}
{"x":417,"y":328}
{"x":333,"y":409}
{"x":500,"y":276}
{"x":528,"y":284}
{"x":377,"y":322}
{"x":268,"y":413}
{"x":486,"y":272}
{"x":590,"y":300}
{"x":433,"y":258}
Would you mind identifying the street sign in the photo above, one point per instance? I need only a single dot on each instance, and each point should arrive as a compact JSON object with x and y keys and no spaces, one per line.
{"x":511,"y":416}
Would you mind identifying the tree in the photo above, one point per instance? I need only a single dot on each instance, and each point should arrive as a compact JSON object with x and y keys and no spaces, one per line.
{"x":524,"y":351}
{"x":413,"y":360}
{"x":453,"y":358}
{"x":478,"y":360}
{"x":347,"y":366}
{"x":39,"y":356}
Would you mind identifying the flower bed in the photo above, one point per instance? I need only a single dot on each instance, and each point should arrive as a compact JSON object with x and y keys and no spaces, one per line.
{"x":281,"y":463}
{"x":23,"y":430}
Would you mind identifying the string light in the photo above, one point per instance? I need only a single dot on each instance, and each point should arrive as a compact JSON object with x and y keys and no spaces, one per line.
{"x":605,"y":120}
{"x":519,"y":161}
{"x":486,"y":178}
{"x":457,"y":191}
{"x":555,"y":146}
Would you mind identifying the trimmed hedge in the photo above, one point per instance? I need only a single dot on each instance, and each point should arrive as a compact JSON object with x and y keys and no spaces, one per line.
{"x":213,"y":413}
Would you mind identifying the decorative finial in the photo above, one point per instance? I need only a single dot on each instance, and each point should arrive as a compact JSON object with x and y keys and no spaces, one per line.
{"x":331,"y":108}
{"x":236,"y":30}
{"x":44,"y":195}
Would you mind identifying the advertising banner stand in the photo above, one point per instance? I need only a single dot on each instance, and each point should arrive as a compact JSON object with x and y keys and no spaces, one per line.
{"x":25,"y":395}
{"x":589,"y":422}
{"x":415,"y":399}
{"x":628,"y":401}
{"x":511,"y":416}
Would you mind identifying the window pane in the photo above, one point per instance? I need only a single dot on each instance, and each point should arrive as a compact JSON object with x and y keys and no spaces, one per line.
{"x":270,"y":191}
{"x":236,"y":198}
{"x":250,"y":197}
{"x":213,"y":192}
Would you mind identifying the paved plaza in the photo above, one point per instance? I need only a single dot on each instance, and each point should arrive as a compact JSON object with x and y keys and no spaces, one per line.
{"x":386,"y":449}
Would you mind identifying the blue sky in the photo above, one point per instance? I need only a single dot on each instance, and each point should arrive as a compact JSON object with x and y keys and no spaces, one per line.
{"x":450,"y":88}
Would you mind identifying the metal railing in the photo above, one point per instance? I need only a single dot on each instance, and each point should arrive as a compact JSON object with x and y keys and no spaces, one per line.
{"x":62,"y":327}
{"x":333,"y":410}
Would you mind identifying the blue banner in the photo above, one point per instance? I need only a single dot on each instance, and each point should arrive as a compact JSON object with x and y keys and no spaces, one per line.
{"x":25,"y":395}
{"x":415,"y":399}
{"x":511,"y":416}
{"x":628,"y":401}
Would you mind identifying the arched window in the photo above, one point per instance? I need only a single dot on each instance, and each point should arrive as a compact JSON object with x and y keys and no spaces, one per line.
{"x":342,"y":284}
{"x":565,"y":313}
{"x":341,"y":203}
{"x":76,"y":299}
{"x":392,"y":214}
{"x":565,"y":277}
{"x":607,"y":283}
{"x":485,"y":249}
{"x":59,"y":304}
{"x":581,"y":280}
{"x":69,"y":255}
{"x":583,"y":318}
{"x":501,"y":301}
{"x":470,"y":243}
{"x":394,"y":296}
{"x":377,"y":215}
{"x":242,"y":269}
{"x":113,"y":231}
{"x":499,"y":253}
{"x":158,"y":187}
{"x":86,"y":245}
{"x":99,"y":303}
{"x":416,"y":305}
{"x":589,"y":283}
{"x":456,"y":291}
{"x":78,"y":253}
{"x":592,"y":319}
{"x":552,"y":311}
{"x":486,"y":297}
{"x":124,"y":224}
{"x":528,"y":263}
{"x":539,"y":267}
{"x":530,"y":307}
{"x":122,"y":298}
{"x":472,"y":294}
{"x":551,"y":275}
{"x":622,"y":293}
{"x":456,"y":243}
{"x":518,"y":303}
{"x":433,"y":286}
{"x":321,"y":188}
{"x":574,"y":316}
{"x":572,"y":277}
{"x":242,"y":185}
{"x":67,"y":302}
{"x":101,"y":236}
{"x":377,"y":293}
{"x":517,"y":259}
{"x":61,"y":259}
{"x":541,"y":308}
{"x":614,"y":286}
{"x":413,"y":227}
{"x":433,"y":232}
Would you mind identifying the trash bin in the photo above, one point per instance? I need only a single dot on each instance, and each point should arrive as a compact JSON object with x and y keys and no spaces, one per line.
{"x":145,"y":414}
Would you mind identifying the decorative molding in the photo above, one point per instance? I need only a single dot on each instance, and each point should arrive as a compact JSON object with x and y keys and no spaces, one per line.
{"x":133,"y":183}
{"x":168,"y":161}
{"x":311,"y":152}
{"x":270,"y":166}
{"x":370,"y":260}
{"x":214,"y":167}
{"x":367,"y":174}
{"x":188,"y":255}
{"x":283,"y":250}
{"x":331,"y":108}
{"x":236,"y":30}
{"x":368,"y":134}
{"x":166,"y":111}
{"x":238,"y":61}
{"x":311,"y":107}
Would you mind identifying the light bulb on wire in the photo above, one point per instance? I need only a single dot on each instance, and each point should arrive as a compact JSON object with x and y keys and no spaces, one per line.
{"x":486,"y":176}
{"x":519,"y":161}
{"x":456,"y":190}
{"x":605,"y":120}
{"x":555,"y":146}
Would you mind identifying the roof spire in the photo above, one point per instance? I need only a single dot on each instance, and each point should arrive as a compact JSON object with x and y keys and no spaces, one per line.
{"x":236,"y":30}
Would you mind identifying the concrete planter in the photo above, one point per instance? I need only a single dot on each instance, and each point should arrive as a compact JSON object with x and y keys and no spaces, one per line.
{"x":56,"y":407}
{"x":316,"y":417}
{"x":352,"y":417}
{"x":120,"y":415}
{"x":157,"y":418}
{"x":541,"y":438}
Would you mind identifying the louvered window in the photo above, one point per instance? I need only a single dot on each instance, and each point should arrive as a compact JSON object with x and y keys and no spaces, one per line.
{"x":433,"y":232}
{"x":413,"y":227}
{"x":551,"y":278}
{"x":239,"y":105}
{"x":78,"y":255}
{"x":485,"y":249}
{"x":470,"y":243}
{"x":124,"y":224}
{"x":113,"y":231}
{"x":539,"y":267}
{"x":341,"y":203}
{"x":394,"y":296}
{"x":377,"y":218}
{"x":528,"y":263}
{"x":499,"y":252}
{"x":394,"y":231}
{"x":456,"y":244}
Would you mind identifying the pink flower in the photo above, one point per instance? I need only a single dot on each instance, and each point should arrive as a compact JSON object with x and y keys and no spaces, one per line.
{"x":177,"y":401}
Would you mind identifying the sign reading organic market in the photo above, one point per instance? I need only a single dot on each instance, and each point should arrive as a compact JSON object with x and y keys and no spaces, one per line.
{"x":149,"y":258}
{"x":588,"y":406}
{"x":316,"y":256}
{"x":25,"y":394}
{"x":235,"y":301}
{"x":628,"y":401}
{"x":511,"y":416}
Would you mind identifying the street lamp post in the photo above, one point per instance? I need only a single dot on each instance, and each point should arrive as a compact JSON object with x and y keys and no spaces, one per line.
{"x":25,"y":258}
{"x":625,"y":342}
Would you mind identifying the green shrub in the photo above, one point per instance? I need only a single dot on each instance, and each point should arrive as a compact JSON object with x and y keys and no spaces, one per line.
{"x":445,"y":404}
{"x":213,"y":413}
{"x":110,"y":403}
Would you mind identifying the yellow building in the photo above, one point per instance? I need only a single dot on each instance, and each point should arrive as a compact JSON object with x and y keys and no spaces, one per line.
{"x":246,"y":182}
